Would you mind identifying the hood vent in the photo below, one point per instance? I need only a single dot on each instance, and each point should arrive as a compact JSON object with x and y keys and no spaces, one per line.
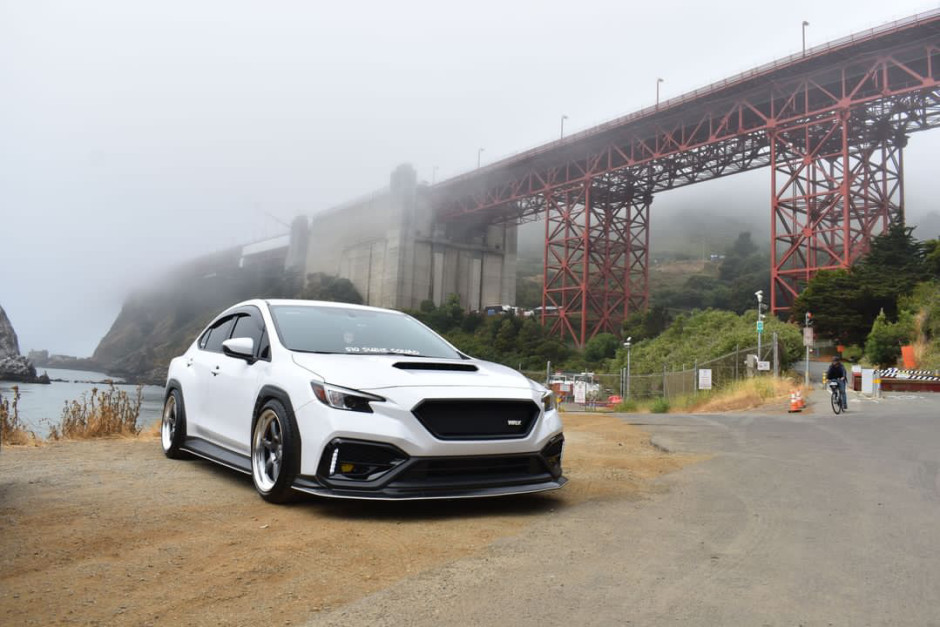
{"x":424,"y":365}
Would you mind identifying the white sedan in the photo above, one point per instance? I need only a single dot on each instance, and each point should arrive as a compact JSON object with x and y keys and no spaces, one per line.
{"x":349,"y":401}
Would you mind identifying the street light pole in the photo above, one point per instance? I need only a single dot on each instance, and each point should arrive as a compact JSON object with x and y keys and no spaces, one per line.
{"x":760,"y":297}
{"x":805,"y":24}
{"x":658,"y":81}
{"x":563,"y":118}
{"x":479,"y":153}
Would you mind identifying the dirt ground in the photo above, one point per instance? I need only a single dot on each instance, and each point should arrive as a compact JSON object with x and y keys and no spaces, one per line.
{"x":112,"y":532}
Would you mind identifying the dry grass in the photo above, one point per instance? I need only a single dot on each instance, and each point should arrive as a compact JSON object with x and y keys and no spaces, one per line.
{"x":12,"y":430}
{"x":745,"y":394}
{"x":110,"y":412}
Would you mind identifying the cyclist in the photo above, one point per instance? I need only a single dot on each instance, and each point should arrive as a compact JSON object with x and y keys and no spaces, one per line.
{"x":836,"y":372}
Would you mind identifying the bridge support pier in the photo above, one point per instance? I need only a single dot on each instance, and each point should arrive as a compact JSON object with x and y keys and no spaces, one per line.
{"x":596,"y":257}
{"x":836,"y":183}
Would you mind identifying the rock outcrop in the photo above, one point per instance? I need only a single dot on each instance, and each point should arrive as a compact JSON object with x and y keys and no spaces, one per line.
{"x":160,"y":322}
{"x":13,"y":366}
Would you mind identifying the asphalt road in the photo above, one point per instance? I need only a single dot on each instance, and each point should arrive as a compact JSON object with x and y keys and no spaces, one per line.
{"x":795,"y":519}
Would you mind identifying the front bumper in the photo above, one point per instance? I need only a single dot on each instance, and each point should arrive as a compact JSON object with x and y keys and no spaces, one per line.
{"x":357,"y":469}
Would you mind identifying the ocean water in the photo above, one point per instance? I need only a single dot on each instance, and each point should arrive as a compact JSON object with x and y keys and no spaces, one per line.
{"x":40,"y":406}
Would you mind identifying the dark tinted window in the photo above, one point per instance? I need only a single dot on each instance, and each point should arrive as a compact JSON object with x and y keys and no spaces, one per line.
{"x":251,"y":327}
{"x":265,"y":351}
{"x":219,"y":332}
{"x":204,"y":338}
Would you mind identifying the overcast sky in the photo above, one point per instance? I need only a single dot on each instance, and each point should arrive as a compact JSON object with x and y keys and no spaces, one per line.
{"x":135,"y":135}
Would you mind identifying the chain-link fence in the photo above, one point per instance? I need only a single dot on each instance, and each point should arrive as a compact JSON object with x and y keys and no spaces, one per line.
{"x":674,"y":380}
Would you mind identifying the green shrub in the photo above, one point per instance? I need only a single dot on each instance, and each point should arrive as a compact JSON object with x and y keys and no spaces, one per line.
{"x":629,"y":406}
{"x":853,"y":353}
{"x":883,"y":346}
{"x":660,"y":406}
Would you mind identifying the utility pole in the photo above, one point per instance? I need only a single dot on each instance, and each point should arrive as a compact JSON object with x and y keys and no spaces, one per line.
{"x":807,"y":341}
{"x":627,"y":346}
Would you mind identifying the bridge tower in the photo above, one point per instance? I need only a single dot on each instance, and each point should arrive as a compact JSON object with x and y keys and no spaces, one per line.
{"x":596,"y":256}
{"x":836,"y":182}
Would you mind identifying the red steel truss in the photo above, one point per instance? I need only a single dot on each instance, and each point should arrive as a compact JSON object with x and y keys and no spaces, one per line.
{"x":831,"y":195}
{"x":832,"y":124}
{"x":596,"y":252}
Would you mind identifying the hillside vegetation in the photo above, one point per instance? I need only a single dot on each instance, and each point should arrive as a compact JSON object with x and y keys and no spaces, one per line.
{"x":886,"y":300}
{"x":704,"y":335}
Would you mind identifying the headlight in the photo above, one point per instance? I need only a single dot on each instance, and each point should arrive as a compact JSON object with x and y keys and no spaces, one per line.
{"x":341,"y":398}
{"x":548,"y":401}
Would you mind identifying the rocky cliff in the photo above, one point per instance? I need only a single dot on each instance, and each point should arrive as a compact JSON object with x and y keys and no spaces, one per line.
{"x":13,"y":366}
{"x":160,"y":322}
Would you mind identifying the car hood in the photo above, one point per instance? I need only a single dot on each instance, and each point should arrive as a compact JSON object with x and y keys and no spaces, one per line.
{"x":377,"y":372}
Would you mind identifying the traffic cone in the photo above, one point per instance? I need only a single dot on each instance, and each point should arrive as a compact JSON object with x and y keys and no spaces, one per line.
{"x":799,"y":398}
{"x":795,"y":403}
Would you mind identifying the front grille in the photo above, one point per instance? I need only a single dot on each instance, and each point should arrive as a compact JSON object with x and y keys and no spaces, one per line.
{"x":472,"y":419}
{"x":476,"y":471}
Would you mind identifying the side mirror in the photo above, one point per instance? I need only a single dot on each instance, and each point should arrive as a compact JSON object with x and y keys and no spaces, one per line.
{"x":240,"y":348}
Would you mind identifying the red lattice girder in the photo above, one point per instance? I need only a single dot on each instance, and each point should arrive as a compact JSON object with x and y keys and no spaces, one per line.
{"x":832,"y":124}
{"x":596,"y":252}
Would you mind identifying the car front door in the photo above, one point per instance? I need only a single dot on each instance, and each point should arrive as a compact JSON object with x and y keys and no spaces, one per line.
{"x":203,"y":361}
{"x":234,"y":387}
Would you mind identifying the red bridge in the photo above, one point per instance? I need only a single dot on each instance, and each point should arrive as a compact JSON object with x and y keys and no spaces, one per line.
{"x":831,"y":123}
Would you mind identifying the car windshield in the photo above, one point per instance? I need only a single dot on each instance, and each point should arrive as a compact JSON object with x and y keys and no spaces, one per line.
{"x":356,"y":332}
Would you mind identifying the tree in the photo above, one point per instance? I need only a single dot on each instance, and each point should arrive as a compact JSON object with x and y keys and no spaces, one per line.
{"x":601,"y":346}
{"x":896,"y":257}
{"x":883,"y":346}
{"x":932,"y":257}
{"x":846,"y":303}
{"x":644,"y":325}
{"x":743,"y":246}
{"x":321,"y":286}
{"x":838,"y":306}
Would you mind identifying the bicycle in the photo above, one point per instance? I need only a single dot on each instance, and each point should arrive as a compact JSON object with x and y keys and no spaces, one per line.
{"x":836,"y":396}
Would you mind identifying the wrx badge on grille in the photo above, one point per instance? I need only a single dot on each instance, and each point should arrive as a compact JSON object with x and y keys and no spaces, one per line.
{"x":514,"y":423}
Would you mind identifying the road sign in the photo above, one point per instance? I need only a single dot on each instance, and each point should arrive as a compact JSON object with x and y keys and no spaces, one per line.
{"x":760,"y":326}
{"x":808,"y":336}
{"x":763,"y":365}
{"x":704,"y":378}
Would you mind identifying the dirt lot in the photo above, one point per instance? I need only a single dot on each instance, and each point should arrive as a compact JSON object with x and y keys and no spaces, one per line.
{"x":111,"y":532}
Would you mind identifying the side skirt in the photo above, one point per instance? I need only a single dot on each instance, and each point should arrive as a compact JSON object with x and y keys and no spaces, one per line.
{"x":217,"y":454}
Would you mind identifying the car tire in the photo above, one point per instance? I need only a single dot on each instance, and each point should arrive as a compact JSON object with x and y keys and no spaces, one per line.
{"x":173,"y":425}
{"x":274,"y":453}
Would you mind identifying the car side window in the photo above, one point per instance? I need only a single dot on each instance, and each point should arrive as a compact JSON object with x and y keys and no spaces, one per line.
{"x":264,"y":352}
{"x":219,"y":332}
{"x":204,"y":338}
{"x":251,"y":327}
